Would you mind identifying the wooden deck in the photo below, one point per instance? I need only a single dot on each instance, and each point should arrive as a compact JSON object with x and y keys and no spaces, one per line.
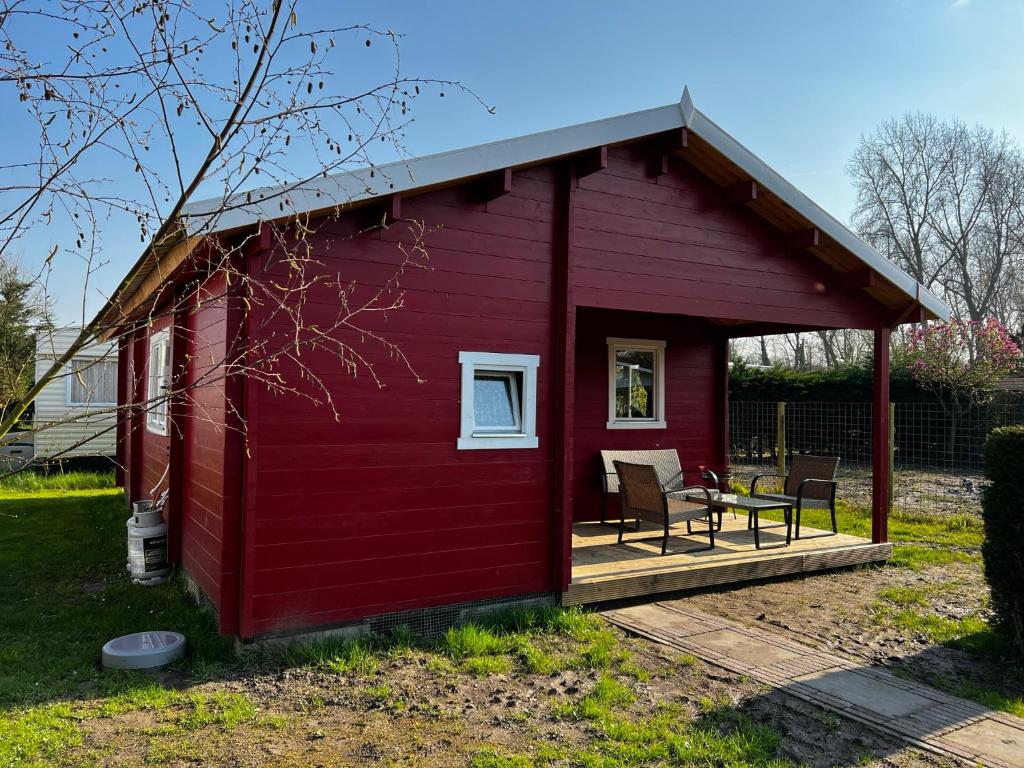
{"x":603,"y":570}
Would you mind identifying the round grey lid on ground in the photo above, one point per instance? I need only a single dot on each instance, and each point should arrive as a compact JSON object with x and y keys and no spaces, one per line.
{"x":143,"y":650}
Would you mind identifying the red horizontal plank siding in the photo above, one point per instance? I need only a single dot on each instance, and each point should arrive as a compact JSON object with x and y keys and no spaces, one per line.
{"x":676,"y":244}
{"x":692,"y":388}
{"x":377,"y":511}
{"x":210,"y":541}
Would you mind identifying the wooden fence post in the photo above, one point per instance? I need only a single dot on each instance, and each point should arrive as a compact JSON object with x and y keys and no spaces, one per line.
{"x":780,"y":437}
{"x":892,"y":453}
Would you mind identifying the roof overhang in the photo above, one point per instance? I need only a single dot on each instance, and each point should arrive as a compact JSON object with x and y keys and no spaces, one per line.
{"x":349,"y":188}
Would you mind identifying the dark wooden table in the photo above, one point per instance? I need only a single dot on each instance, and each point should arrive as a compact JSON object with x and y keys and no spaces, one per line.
{"x":725,"y":501}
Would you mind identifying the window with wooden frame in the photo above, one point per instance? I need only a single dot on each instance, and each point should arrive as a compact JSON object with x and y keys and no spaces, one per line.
{"x":636,"y":384}
{"x":158,"y":379}
{"x":499,"y":401}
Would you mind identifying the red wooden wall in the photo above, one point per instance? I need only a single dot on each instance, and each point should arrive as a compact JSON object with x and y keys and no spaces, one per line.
{"x":323,"y":520}
{"x":211,"y":500}
{"x":677,"y":244}
{"x":378,"y":511}
{"x":692,"y":394}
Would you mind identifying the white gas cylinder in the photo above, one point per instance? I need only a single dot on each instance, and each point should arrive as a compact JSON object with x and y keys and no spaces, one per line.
{"x":147,"y":546}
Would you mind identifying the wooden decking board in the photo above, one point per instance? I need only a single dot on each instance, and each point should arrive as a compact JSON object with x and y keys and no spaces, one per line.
{"x":933,"y":719}
{"x":604,"y":570}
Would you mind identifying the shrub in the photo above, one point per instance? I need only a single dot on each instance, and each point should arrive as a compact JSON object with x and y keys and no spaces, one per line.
{"x":1003,"y":547}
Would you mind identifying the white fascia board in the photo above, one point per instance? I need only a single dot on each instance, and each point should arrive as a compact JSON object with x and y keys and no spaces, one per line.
{"x":764,"y":174}
{"x":354,"y":186}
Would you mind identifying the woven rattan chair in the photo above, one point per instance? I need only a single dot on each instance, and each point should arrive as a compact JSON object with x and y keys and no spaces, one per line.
{"x":810,"y":484}
{"x":644,"y":496}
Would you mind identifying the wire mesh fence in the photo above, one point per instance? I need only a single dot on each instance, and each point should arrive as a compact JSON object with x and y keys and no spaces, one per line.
{"x":936,"y":449}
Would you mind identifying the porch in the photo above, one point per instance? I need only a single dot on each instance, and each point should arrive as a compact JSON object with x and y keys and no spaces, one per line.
{"x":603,"y":570}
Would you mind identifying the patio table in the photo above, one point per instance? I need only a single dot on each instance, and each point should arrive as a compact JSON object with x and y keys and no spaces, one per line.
{"x":723,"y":501}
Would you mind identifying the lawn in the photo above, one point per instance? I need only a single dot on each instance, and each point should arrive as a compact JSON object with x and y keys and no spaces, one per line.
{"x":527,"y":688}
{"x":66,"y":592}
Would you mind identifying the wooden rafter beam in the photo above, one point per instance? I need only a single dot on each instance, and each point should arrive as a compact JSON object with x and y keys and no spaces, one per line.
{"x":496,"y":184}
{"x":743,"y":191}
{"x":657,"y":164}
{"x":662,"y":146}
{"x":382,"y":213}
{"x":912,"y":313}
{"x":803,"y":239}
{"x":673,"y":141}
{"x":856,"y":279}
{"x":591,"y":161}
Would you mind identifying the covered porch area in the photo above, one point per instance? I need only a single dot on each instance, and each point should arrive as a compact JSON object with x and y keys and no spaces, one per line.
{"x":676,"y":391}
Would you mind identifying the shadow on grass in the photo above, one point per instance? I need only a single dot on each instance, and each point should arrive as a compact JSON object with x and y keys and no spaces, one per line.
{"x":66,"y":593}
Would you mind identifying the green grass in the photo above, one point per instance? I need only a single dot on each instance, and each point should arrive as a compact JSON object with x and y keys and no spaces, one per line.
{"x":627,"y":733}
{"x":66,"y":593}
{"x":224,"y":710}
{"x":904,"y":596}
{"x":38,"y":736}
{"x":969,"y":632}
{"x":30,"y":481}
{"x":918,"y":557}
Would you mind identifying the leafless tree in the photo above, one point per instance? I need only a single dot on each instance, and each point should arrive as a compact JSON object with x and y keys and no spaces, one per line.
{"x":900,"y":171}
{"x":142,"y":106}
{"x":946,"y":203}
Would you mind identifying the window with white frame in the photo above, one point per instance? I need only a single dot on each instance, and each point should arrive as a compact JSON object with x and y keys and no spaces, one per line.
{"x":636,"y":384}
{"x":158,"y":378}
{"x":92,"y":381}
{"x":499,"y":400}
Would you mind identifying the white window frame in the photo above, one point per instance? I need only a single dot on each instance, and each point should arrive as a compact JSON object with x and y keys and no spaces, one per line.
{"x":638,"y":345}
{"x":87,"y":362}
{"x":472,"y":438}
{"x":157,"y":378}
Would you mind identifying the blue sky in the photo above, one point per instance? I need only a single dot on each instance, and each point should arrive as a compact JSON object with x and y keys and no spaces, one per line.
{"x":797,"y":82}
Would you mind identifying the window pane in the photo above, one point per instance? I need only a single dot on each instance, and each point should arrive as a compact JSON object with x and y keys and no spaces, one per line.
{"x":493,"y":405}
{"x":93,"y":381}
{"x":634,"y":384}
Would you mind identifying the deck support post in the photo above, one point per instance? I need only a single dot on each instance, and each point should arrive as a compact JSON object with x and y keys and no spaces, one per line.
{"x":721,"y":363}
{"x":880,"y":439}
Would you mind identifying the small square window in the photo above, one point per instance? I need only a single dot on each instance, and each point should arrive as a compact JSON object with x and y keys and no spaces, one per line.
{"x":636,"y":384}
{"x":499,"y":401}
{"x":497,"y":407}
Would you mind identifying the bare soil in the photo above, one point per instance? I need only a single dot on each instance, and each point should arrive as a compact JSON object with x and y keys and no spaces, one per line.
{"x":442,"y":718}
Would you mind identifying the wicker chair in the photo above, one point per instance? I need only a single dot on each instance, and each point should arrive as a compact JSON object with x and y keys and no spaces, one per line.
{"x":664,"y":460}
{"x":810,"y":484}
{"x":645,"y":497}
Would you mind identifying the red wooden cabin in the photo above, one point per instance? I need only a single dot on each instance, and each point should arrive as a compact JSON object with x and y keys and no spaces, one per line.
{"x":655,"y":232}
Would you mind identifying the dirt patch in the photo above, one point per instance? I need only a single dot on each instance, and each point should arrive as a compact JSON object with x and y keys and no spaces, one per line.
{"x":413,"y":710}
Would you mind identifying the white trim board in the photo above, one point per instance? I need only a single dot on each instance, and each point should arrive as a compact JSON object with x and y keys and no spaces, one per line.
{"x":525,"y":365}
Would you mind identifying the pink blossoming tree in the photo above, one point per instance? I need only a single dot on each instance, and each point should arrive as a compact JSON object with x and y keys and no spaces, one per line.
{"x":961,"y":362}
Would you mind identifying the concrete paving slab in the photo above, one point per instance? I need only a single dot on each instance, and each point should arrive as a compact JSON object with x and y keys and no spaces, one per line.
{"x":656,"y":616}
{"x":902,"y":708}
{"x":744,"y":648}
{"x":989,"y":737}
{"x":866,"y":692}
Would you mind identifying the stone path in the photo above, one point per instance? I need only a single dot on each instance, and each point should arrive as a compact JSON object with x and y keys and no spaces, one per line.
{"x":916,"y":713}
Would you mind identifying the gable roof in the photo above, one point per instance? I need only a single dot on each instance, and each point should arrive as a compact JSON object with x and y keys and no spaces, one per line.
{"x":716,"y":153}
